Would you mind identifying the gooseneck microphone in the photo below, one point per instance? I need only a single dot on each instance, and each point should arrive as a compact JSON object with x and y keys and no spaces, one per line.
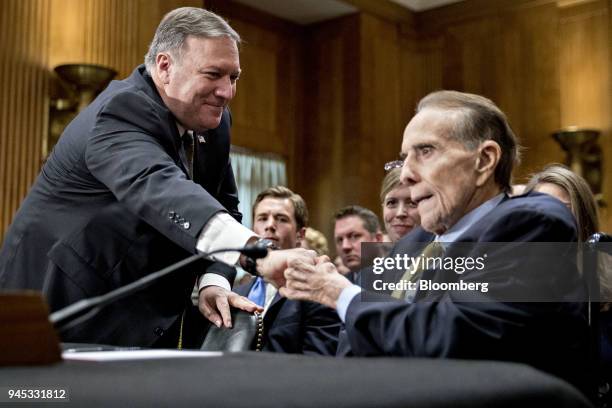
{"x":64,"y":319}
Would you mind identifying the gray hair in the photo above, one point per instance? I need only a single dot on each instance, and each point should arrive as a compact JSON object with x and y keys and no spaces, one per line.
{"x":182,"y":22}
{"x":481,"y":120}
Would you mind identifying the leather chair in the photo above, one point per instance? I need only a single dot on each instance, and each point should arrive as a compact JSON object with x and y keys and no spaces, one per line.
{"x":598,"y":246}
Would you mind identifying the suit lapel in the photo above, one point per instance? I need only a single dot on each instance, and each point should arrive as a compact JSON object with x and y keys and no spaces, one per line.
{"x":435,"y":275}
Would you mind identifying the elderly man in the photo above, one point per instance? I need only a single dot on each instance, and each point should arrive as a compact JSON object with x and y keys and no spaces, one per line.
{"x":138,"y":181}
{"x":290,"y":326}
{"x":458,"y":154}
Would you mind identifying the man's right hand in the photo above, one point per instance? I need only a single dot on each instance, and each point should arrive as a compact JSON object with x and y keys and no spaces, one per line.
{"x":273,"y":266}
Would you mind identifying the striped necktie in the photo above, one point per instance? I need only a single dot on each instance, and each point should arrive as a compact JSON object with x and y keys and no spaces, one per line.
{"x":432,"y":250}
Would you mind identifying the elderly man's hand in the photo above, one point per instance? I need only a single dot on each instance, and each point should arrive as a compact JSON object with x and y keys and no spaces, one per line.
{"x":214,"y":303}
{"x":319,"y":283}
{"x":273,"y":266}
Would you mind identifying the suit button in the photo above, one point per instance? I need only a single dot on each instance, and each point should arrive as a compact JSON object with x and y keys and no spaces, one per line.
{"x":158,"y":331}
{"x":186,"y":225}
{"x":171,"y":214}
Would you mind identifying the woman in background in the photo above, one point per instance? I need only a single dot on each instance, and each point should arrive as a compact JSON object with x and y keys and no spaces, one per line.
{"x":400,"y":214}
{"x":571,"y":189}
{"x":560,"y":182}
{"x":315,"y":240}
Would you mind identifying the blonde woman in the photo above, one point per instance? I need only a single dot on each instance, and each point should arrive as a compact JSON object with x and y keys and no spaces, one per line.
{"x":400,"y":215}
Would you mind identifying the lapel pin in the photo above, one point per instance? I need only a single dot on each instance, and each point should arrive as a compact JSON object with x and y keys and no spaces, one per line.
{"x":201,"y":139}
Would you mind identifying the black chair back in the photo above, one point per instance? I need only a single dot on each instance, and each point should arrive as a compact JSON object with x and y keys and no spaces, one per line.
{"x":594,"y":249}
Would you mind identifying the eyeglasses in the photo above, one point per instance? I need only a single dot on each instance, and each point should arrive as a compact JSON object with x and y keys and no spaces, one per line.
{"x":395,"y":164}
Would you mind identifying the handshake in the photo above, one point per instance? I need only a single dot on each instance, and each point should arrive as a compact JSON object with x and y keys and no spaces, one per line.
{"x":299,"y":274}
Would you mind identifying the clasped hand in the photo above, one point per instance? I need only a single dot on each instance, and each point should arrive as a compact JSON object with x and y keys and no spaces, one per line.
{"x":298,"y":273}
{"x":304,"y":276}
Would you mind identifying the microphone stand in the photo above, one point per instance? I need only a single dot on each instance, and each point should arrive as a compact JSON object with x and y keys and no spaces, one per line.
{"x":61,"y":319}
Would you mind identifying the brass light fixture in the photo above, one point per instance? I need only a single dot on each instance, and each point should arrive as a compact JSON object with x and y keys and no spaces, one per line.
{"x":583,"y":155}
{"x":80,"y":84}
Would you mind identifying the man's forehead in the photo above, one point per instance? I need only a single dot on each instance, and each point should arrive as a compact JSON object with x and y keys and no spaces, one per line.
{"x":348,"y":224}
{"x":275,"y":205}
{"x":429,"y":125}
{"x":219,"y":52}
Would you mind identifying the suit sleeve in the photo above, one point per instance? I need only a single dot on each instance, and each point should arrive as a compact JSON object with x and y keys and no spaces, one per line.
{"x":128,"y":153}
{"x":462,"y":326}
{"x":321,"y":328}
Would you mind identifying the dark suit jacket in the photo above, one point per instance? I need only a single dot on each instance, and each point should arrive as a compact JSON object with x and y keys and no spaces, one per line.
{"x":550,"y":336}
{"x":113,"y":203}
{"x":412,"y":243}
{"x":292,"y":326}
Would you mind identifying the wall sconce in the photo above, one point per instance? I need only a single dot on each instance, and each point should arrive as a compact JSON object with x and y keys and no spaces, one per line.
{"x":583,"y":156}
{"x":81,"y":84}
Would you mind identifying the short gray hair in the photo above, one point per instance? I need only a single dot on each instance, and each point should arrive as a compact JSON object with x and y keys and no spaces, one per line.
{"x":182,"y":22}
{"x":481,"y":120}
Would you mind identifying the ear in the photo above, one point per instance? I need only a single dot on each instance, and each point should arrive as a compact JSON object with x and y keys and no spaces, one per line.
{"x":379,"y":237}
{"x":301,"y":233}
{"x":489,"y":154}
{"x":163,"y":63}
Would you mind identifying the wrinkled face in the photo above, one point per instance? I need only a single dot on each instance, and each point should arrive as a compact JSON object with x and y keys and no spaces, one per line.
{"x":274,"y":219}
{"x":199,"y":85}
{"x":556,"y":191}
{"x":399,"y":213}
{"x":349,"y":233}
{"x":439,"y":171}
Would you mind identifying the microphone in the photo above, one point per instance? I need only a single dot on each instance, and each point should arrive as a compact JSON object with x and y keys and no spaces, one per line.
{"x":258,"y":250}
{"x":62,"y":319}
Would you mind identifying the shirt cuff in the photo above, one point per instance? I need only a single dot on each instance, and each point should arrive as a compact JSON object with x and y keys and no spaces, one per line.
{"x":209,"y":279}
{"x":223,"y":231}
{"x":344,"y":300}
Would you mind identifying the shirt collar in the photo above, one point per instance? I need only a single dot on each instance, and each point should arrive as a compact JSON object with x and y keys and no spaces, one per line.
{"x":181,"y":129}
{"x":469,"y":219}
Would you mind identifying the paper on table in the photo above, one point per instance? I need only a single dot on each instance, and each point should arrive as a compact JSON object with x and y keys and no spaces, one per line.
{"x":137,"y":354}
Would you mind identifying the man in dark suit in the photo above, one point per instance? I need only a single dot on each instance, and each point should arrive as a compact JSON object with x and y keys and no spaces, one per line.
{"x":352,"y":226}
{"x":458,"y":154}
{"x":139,"y":180}
{"x":290,"y":326}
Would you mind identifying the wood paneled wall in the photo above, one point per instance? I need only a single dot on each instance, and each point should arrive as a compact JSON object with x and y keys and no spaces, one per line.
{"x":353,"y":107}
{"x":37,"y":35}
{"x":546,"y":64}
{"x":115,"y":33}
{"x":267,"y":111}
{"x":586,"y":80}
{"x":333,"y":97}
{"x":329,"y":157}
{"x":24,"y":39}
{"x":511,"y":57}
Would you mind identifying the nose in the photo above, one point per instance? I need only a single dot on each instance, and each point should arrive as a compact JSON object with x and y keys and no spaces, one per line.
{"x":402,"y":210}
{"x":408,"y":175}
{"x":346,"y":245}
{"x":225,"y":88}
{"x":270,"y":225}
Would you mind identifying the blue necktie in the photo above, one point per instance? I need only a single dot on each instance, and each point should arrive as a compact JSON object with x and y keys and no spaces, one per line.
{"x":258,"y":292}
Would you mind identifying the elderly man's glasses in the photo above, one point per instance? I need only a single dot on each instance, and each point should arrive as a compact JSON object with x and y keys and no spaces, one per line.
{"x":395,"y":164}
